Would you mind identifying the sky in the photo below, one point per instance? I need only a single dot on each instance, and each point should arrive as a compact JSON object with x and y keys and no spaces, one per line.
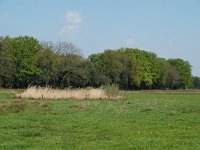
{"x":169,"y":28}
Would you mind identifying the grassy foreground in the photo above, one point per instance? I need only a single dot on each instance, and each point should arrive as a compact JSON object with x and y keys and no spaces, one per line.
{"x":141,"y":121}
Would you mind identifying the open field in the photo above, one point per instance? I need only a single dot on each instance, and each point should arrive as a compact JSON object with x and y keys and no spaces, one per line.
{"x":142,"y":120}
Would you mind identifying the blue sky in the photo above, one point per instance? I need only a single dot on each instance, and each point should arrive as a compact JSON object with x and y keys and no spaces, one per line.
{"x":170,"y":28}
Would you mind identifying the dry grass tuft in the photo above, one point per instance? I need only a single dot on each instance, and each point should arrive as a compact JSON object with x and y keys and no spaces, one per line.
{"x":79,"y":94}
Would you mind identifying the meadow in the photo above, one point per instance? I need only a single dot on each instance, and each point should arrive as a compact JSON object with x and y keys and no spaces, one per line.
{"x":142,"y":120}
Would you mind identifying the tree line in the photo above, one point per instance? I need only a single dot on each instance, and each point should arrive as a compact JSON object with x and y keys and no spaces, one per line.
{"x":25,"y":61}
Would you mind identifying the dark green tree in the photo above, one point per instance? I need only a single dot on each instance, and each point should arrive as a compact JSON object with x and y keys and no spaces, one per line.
{"x":196,"y":82}
{"x":23,"y":51}
{"x":48,"y":62}
{"x":95,"y":71}
{"x":7,"y":65}
{"x":69,"y":67}
{"x":173,"y":79}
{"x":184,"y":71}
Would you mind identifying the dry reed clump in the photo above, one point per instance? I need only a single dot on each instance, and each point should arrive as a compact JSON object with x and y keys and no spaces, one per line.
{"x":79,"y":94}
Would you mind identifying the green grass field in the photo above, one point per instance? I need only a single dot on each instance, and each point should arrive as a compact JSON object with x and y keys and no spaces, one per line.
{"x":141,"y":121}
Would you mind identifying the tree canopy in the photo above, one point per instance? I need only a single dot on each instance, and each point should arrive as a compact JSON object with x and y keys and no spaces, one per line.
{"x":26,"y":61}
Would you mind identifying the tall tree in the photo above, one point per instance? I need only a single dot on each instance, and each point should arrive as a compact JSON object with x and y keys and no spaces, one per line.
{"x":173,"y":79}
{"x":96,"y":71}
{"x":7,"y":65}
{"x":23,"y":51}
{"x":47,"y":61}
{"x":184,"y":72}
{"x":67,"y":48}
{"x":145,"y":74}
{"x":70,"y":65}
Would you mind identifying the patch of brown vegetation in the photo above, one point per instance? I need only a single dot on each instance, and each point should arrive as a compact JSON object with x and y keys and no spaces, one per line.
{"x":15,"y":106}
{"x":79,"y":94}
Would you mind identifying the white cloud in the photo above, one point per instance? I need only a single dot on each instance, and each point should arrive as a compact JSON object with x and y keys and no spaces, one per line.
{"x":130,"y":42}
{"x":69,"y":29}
{"x":73,"y":21}
{"x":73,"y":17}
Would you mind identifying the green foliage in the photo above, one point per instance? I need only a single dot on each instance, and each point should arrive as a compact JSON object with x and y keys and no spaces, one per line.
{"x":139,"y":69}
{"x":25,"y":61}
{"x":173,"y":79}
{"x":184,"y":71}
{"x":160,"y":74}
{"x":47,"y":61}
{"x":95,"y":74}
{"x":7,"y":66}
{"x":22,"y":51}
